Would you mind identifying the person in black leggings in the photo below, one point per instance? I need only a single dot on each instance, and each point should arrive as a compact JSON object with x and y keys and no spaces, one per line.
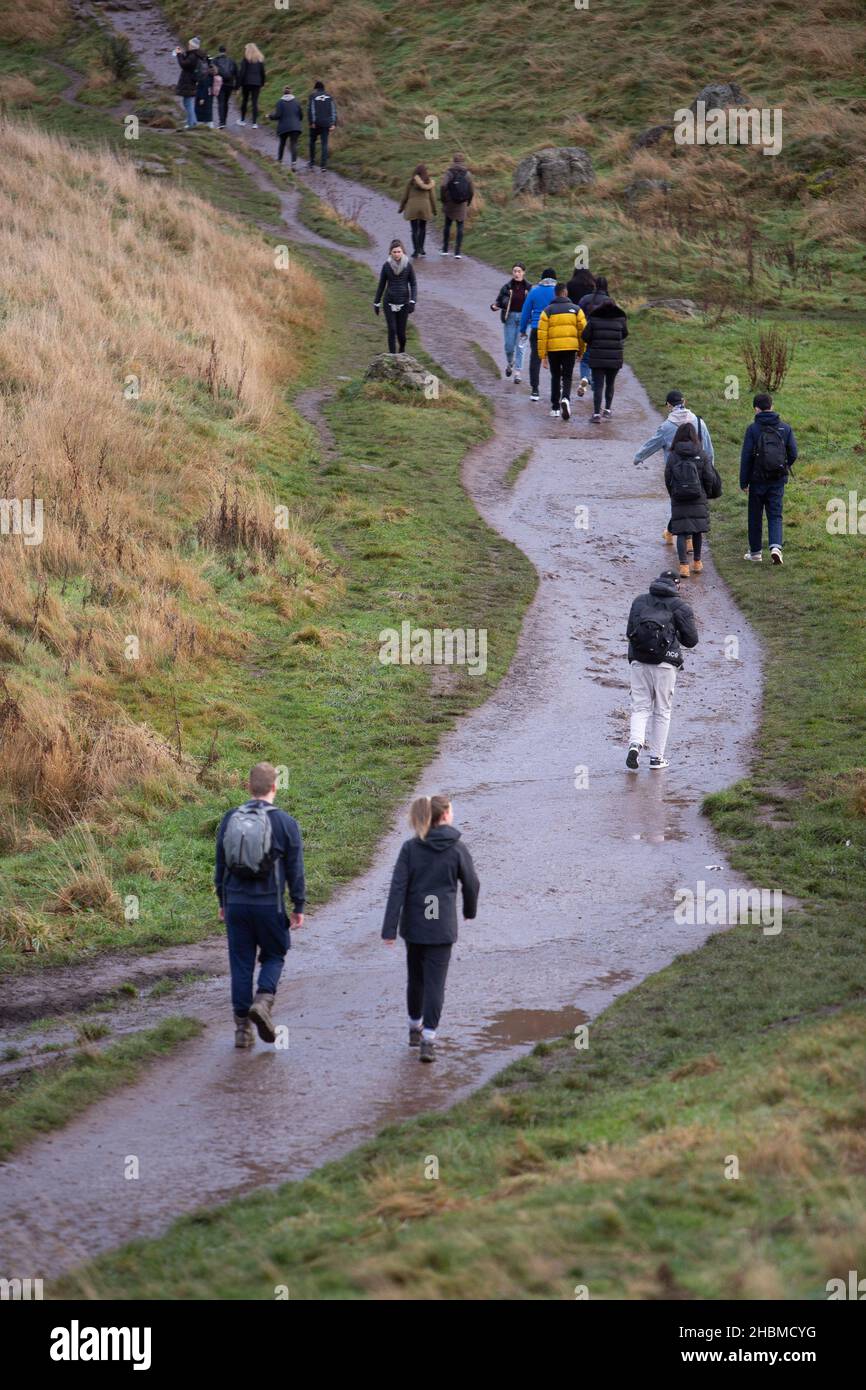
{"x":251,"y":80}
{"x":398,"y":286}
{"x":418,"y":206}
{"x":605,"y":332}
{"x":288,"y":116}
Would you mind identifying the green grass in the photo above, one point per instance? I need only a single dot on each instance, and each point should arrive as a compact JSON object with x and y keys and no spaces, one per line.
{"x":49,"y":1098}
{"x":320,"y":217}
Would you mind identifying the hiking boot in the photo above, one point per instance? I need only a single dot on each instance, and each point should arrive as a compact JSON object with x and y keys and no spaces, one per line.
{"x":632,"y":760}
{"x":245,"y":1033}
{"x":656,"y":763}
{"x":581,"y":387}
{"x":667,"y":537}
{"x":428,"y":1051}
{"x":260,"y":1015}
{"x":595,"y":419}
{"x":607,"y":413}
{"x":509,"y":369}
{"x":565,"y":408}
{"x":684,"y":572}
{"x":756,"y":555}
{"x":697,"y":566}
{"x":414,"y":1037}
{"x":776,"y":554}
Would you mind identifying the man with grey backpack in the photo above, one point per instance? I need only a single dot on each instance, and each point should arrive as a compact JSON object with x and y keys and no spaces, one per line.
{"x":259,"y":855}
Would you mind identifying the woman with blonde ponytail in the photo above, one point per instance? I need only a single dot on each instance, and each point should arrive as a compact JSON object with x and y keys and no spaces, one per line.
{"x":422,"y":904}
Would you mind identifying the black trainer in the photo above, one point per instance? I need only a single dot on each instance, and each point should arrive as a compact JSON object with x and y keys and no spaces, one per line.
{"x":632,"y":760}
{"x":428,"y":1051}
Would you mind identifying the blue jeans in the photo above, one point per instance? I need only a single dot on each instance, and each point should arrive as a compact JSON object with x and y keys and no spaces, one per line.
{"x":189,"y":108}
{"x":769,"y":497}
{"x":585,"y":369}
{"x":252,"y":927}
{"x":512,"y":333}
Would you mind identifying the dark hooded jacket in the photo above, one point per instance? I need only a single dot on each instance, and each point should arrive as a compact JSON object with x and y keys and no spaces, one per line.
{"x":423,"y":897}
{"x":288,"y":115}
{"x":769,"y":419}
{"x":663,"y":595}
{"x":605,"y":332}
{"x":193,"y":66}
{"x":692,"y":516}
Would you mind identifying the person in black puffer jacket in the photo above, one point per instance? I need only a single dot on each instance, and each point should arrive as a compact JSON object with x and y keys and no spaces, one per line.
{"x":398,"y":285}
{"x":606,"y":331}
{"x":691,"y":481}
{"x":190,"y":60}
{"x":422,"y":904}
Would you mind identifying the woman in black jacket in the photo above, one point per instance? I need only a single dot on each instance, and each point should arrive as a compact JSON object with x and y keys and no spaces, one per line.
{"x":251,"y":79}
{"x":692,"y":481}
{"x":605,"y":332}
{"x":289,"y":117}
{"x":423,"y":904}
{"x":398,"y":284}
{"x":189,"y":60}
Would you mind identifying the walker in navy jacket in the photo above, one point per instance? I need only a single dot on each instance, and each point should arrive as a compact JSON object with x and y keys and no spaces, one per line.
{"x":287,"y":871}
{"x":750,"y":443}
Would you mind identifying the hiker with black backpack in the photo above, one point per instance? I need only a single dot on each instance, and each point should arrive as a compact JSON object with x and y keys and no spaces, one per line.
{"x":227,"y":69}
{"x":768,"y":454}
{"x":321,"y":119}
{"x":657,"y":623}
{"x":259,"y":855}
{"x":422,"y":905}
{"x":692,"y":482}
{"x":456,"y":195}
{"x":663,"y":438}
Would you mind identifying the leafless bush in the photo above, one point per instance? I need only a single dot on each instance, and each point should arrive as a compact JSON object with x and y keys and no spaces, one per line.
{"x":767,"y":359}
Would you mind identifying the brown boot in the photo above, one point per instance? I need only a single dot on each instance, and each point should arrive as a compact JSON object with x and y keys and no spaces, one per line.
{"x":667,"y":537}
{"x":260,"y":1015}
{"x":245,"y":1034}
{"x":697,"y":566}
{"x":684,"y":571}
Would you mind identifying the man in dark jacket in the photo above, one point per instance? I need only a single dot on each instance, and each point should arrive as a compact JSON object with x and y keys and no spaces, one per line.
{"x":322,"y":118}
{"x":768,"y":454}
{"x":657,"y":623}
{"x":191,"y":62}
{"x":289,"y":117}
{"x":253,"y":908}
{"x":606,"y":331}
{"x":228,"y":71}
{"x":422,"y":903}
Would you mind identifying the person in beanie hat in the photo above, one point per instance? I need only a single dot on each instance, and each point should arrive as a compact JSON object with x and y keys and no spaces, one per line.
{"x":658,"y":622}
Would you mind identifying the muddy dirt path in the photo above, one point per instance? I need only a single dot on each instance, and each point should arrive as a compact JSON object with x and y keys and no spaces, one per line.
{"x":577,"y":883}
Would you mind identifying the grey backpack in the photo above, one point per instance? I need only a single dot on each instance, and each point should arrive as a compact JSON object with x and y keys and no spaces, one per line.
{"x":247,"y":841}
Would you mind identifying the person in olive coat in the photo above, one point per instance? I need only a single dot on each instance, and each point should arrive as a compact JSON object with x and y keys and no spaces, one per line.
{"x":422,"y":904}
{"x":456,"y":193}
{"x":419,"y":207}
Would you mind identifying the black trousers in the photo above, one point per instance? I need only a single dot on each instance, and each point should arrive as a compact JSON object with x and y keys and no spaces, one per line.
{"x":250,"y":94}
{"x":534,"y":362}
{"x":225,"y":96}
{"x":603,"y":377}
{"x":293,"y":136}
{"x":419,"y":234}
{"x":397,"y":321}
{"x":561,"y":366}
{"x":458,"y":235}
{"x":320,"y":132}
{"x":427,"y":968}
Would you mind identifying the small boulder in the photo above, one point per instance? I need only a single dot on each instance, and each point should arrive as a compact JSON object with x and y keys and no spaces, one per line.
{"x":398,"y":369}
{"x":152,"y":167}
{"x":685,"y":308}
{"x":720,"y":95}
{"x":555,"y":169}
{"x":642,"y":188}
{"x":651,"y":136}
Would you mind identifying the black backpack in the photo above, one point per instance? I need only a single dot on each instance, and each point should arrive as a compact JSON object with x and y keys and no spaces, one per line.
{"x":226,"y":67}
{"x":653,"y":637}
{"x":458,"y":188}
{"x":685,"y":480}
{"x":771,"y":456}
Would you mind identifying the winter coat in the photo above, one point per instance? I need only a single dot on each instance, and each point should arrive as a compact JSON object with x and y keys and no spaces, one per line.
{"x":251,"y":74}
{"x":689,"y":517}
{"x":288,"y":115}
{"x":606,"y":330}
{"x":592,"y":301}
{"x":423,"y":897}
{"x":227,"y":69}
{"x":535,"y":304}
{"x":287,"y":870}
{"x":511,"y":298}
{"x":456,"y":211}
{"x":664,"y":435}
{"x":321,"y":110}
{"x":750,"y":443}
{"x":663,"y":594}
{"x":189,"y":64}
{"x":419,"y":200}
{"x":397,"y":286}
{"x":560,"y":328}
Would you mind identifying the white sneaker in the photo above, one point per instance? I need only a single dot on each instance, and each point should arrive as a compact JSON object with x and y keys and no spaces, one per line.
{"x":255,"y":127}
{"x":657,"y":763}
{"x":607,"y":413}
{"x":565,"y":408}
{"x":555,"y":412}
{"x":749,"y":556}
{"x":517,"y":376}
{"x":239,"y":121}
{"x":534,"y":396}
{"x":458,"y":255}
{"x":776,"y":554}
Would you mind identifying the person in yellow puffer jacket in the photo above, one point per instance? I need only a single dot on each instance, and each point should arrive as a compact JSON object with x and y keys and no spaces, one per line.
{"x":560,"y":343}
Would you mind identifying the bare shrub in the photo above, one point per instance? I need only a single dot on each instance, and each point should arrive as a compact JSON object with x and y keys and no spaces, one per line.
{"x":767,"y":359}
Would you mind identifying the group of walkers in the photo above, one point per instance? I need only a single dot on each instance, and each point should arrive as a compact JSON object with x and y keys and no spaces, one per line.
{"x":204,"y":81}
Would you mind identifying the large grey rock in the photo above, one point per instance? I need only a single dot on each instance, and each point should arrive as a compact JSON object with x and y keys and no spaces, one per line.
{"x":720,"y":95}
{"x":398,"y":369}
{"x":555,"y":169}
{"x":686,"y":308}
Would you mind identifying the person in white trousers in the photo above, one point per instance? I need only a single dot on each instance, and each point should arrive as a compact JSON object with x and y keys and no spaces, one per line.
{"x":659,"y":621}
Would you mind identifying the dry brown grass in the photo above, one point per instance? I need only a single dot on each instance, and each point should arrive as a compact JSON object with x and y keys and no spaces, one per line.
{"x":86,"y":884}
{"x":43,"y":21}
